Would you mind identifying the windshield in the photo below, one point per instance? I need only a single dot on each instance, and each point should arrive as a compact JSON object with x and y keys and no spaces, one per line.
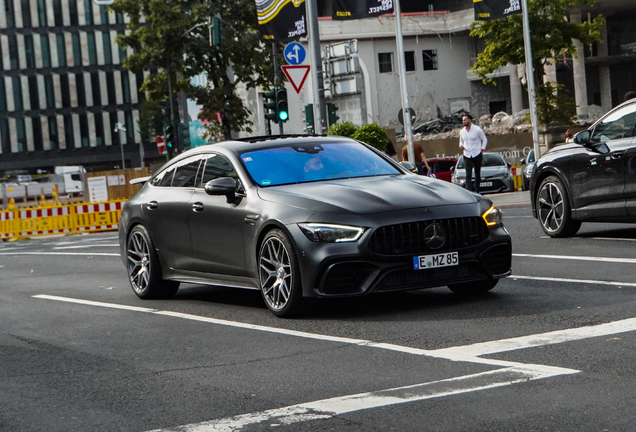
{"x":489,"y":160}
{"x":306,"y":163}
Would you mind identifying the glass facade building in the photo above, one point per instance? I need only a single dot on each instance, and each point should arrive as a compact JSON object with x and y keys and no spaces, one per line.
{"x":63,"y":88}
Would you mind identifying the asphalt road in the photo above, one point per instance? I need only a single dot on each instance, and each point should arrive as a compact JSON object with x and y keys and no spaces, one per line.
{"x":550,"y":348}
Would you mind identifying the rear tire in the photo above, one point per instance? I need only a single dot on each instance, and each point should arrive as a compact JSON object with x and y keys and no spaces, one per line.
{"x":478,"y":287}
{"x":144,"y":268}
{"x":553,"y":209}
{"x":279,"y":275}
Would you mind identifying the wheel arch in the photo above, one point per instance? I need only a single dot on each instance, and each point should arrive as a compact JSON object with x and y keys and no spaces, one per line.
{"x":550,"y":172}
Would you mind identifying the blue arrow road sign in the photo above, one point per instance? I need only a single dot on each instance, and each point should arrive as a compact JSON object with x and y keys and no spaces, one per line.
{"x":294,"y":53}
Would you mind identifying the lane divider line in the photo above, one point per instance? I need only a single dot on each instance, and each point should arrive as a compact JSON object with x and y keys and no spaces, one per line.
{"x":580,"y":281}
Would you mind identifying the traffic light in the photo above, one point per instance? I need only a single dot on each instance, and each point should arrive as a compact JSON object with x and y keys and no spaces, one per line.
{"x":309,"y":118}
{"x":331,"y":113}
{"x":269,"y":102}
{"x":171,"y":139}
{"x":184,"y":136}
{"x":282,"y":111}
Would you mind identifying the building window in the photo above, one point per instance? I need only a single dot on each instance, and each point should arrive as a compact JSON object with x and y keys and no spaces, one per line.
{"x":81,"y":90}
{"x":125,"y":83}
{"x":92,"y":49}
{"x":130,"y":127}
{"x":3,"y":98}
{"x":73,"y":12}
{"x":103,"y":15}
{"x":69,"y":135}
{"x":86,"y":142}
{"x":17,"y":94}
{"x":38,"y":144}
{"x":57,"y":13}
{"x":61,"y":50}
{"x":110,"y":87}
{"x":429,"y":58}
{"x":88,"y":12}
{"x":385,"y":61}
{"x":53,"y":138}
{"x":8,"y":11}
{"x":99,"y":129}
{"x":49,"y":91}
{"x":5,"y":137}
{"x":21,"y":134}
{"x":29,"y":51}
{"x":46,"y":51}
{"x":77,"y":49}
{"x":13,"y":51}
{"x":33,"y":92}
{"x":409,"y":60}
{"x":108,"y":53}
{"x":96,"y":88}
{"x":26,"y":13}
{"x":66,"y":91}
{"x":42,"y":13}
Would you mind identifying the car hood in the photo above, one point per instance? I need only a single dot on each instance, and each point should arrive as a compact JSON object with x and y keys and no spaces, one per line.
{"x":368,"y":195}
{"x":490,"y":171}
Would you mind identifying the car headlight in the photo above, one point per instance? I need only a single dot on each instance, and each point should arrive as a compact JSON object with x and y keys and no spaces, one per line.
{"x":492,"y":216}
{"x":330,"y":233}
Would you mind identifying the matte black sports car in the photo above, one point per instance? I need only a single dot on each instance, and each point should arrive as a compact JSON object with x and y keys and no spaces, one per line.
{"x":592,"y":179}
{"x":307,"y":217}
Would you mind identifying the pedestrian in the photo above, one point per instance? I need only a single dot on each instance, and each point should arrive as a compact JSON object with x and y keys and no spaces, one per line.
{"x":420,"y":157}
{"x":569,"y":136}
{"x":473,"y":141}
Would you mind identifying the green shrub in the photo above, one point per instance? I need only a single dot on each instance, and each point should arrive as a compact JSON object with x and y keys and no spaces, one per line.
{"x":373,"y":135}
{"x":345,"y":129}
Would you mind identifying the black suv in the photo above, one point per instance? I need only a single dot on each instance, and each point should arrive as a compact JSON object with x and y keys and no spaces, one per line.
{"x":592,"y":179}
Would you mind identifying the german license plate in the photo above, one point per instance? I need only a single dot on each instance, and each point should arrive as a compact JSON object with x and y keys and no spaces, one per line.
{"x":485,"y":184}
{"x":447,"y":259}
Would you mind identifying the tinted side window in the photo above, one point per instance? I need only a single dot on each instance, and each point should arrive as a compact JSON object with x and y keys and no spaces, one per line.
{"x":186,"y":172}
{"x":619,"y":124}
{"x":166,"y":179}
{"x":217,"y":166}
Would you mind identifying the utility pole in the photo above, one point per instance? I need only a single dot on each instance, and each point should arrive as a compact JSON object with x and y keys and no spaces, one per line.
{"x":313,"y":34}
{"x":406,"y":112}
{"x":532,"y":96}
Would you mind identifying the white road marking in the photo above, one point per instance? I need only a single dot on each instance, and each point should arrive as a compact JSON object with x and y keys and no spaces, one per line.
{"x":327,"y":408}
{"x":509,"y":373}
{"x":594,"y":238}
{"x":86,"y":246}
{"x":579,"y":258}
{"x":62,"y":253}
{"x":580,"y":281}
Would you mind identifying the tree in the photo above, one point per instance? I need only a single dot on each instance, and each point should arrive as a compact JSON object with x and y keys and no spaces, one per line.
{"x":173,"y":37}
{"x":550,"y":35}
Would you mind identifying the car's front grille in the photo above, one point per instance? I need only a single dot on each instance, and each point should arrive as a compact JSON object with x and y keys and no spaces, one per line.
{"x":408,"y":238}
{"x":410,"y":279}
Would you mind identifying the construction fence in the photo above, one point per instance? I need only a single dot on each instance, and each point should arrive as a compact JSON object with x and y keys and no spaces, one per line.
{"x":59,"y":219}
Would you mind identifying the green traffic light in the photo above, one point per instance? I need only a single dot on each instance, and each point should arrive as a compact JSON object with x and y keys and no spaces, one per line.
{"x":283,"y":115}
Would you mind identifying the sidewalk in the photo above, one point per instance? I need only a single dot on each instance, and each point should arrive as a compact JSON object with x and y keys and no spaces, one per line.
{"x":511,"y":199}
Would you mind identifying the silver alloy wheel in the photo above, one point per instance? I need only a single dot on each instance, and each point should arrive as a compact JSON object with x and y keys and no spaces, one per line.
{"x":275,"y":272}
{"x":551,"y":207}
{"x":138,"y":262}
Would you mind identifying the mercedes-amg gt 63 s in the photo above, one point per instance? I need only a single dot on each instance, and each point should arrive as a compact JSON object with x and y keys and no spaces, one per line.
{"x":592,"y":179}
{"x":307,"y":216}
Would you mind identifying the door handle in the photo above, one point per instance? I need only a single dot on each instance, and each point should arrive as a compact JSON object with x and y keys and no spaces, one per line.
{"x":152,"y":205}
{"x":617,"y":155}
{"x":197,"y":206}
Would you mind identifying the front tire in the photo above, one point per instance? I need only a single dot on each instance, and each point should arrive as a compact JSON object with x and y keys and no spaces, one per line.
{"x":279,"y":275}
{"x":473,"y":288}
{"x":144,"y":268}
{"x":553,"y":209}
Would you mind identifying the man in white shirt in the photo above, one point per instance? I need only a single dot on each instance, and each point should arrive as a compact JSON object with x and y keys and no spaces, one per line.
{"x":473,"y":141}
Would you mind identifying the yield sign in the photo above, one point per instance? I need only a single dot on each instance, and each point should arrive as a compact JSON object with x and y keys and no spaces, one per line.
{"x":161,"y":145}
{"x":296,"y":75}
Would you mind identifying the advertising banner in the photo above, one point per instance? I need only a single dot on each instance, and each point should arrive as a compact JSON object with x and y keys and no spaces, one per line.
{"x":359,"y":9}
{"x":281,"y":20}
{"x":488,"y":10}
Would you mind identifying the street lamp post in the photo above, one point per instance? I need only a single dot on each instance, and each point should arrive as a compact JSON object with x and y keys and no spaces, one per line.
{"x":120,"y":127}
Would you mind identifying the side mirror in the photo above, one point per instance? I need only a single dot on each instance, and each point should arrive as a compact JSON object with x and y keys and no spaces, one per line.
{"x":523,"y":161}
{"x":222,"y":186}
{"x":410,"y":166}
{"x":582,"y":137}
